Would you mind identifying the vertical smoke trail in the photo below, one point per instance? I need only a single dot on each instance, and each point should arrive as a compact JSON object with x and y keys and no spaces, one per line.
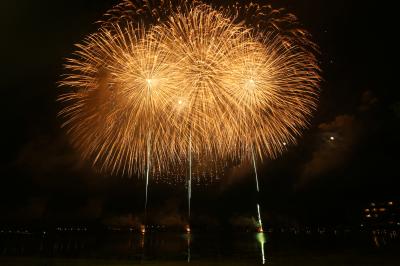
{"x":259,"y":218}
{"x":255,"y":168}
{"x":149,"y":84}
{"x":189,"y":197}
{"x":147,"y":175}
{"x":190,"y":174}
{"x":258,"y":189}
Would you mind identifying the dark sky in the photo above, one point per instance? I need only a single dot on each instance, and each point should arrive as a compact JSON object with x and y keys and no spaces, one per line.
{"x":318,"y":181}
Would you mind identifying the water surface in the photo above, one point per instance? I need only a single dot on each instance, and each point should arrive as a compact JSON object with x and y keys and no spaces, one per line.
{"x":169,"y":248}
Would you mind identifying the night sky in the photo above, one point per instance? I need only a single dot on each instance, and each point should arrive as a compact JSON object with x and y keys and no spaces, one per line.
{"x":319,"y":181}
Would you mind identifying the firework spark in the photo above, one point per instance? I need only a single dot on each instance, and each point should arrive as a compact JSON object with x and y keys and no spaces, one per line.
{"x":160,"y":83}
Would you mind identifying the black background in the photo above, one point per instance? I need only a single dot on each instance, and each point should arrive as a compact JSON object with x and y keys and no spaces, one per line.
{"x":318,"y":181}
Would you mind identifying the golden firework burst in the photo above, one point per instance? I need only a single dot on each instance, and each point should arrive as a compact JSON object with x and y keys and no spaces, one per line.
{"x":160,"y":83}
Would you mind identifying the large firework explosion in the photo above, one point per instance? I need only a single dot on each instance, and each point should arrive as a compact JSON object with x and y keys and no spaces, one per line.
{"x":163,"y":81}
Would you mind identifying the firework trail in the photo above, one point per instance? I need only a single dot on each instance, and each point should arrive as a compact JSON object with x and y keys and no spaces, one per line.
{"x":260,"y":225}
{"x":147,"y":176}
{"x":190,"y":177}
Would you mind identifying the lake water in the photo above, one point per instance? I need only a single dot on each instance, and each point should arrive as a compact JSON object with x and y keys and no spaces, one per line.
{"x":168,"y":248}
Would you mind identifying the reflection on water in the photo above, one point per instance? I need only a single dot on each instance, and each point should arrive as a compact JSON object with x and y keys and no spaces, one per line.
{"x":258,"y":248}
{"x":261,"y":239}
{"x":382,"y":237}
{"x":189,"y":242}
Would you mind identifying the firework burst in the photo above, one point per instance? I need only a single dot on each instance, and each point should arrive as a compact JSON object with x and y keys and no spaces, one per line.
{"x":161,"y":82}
